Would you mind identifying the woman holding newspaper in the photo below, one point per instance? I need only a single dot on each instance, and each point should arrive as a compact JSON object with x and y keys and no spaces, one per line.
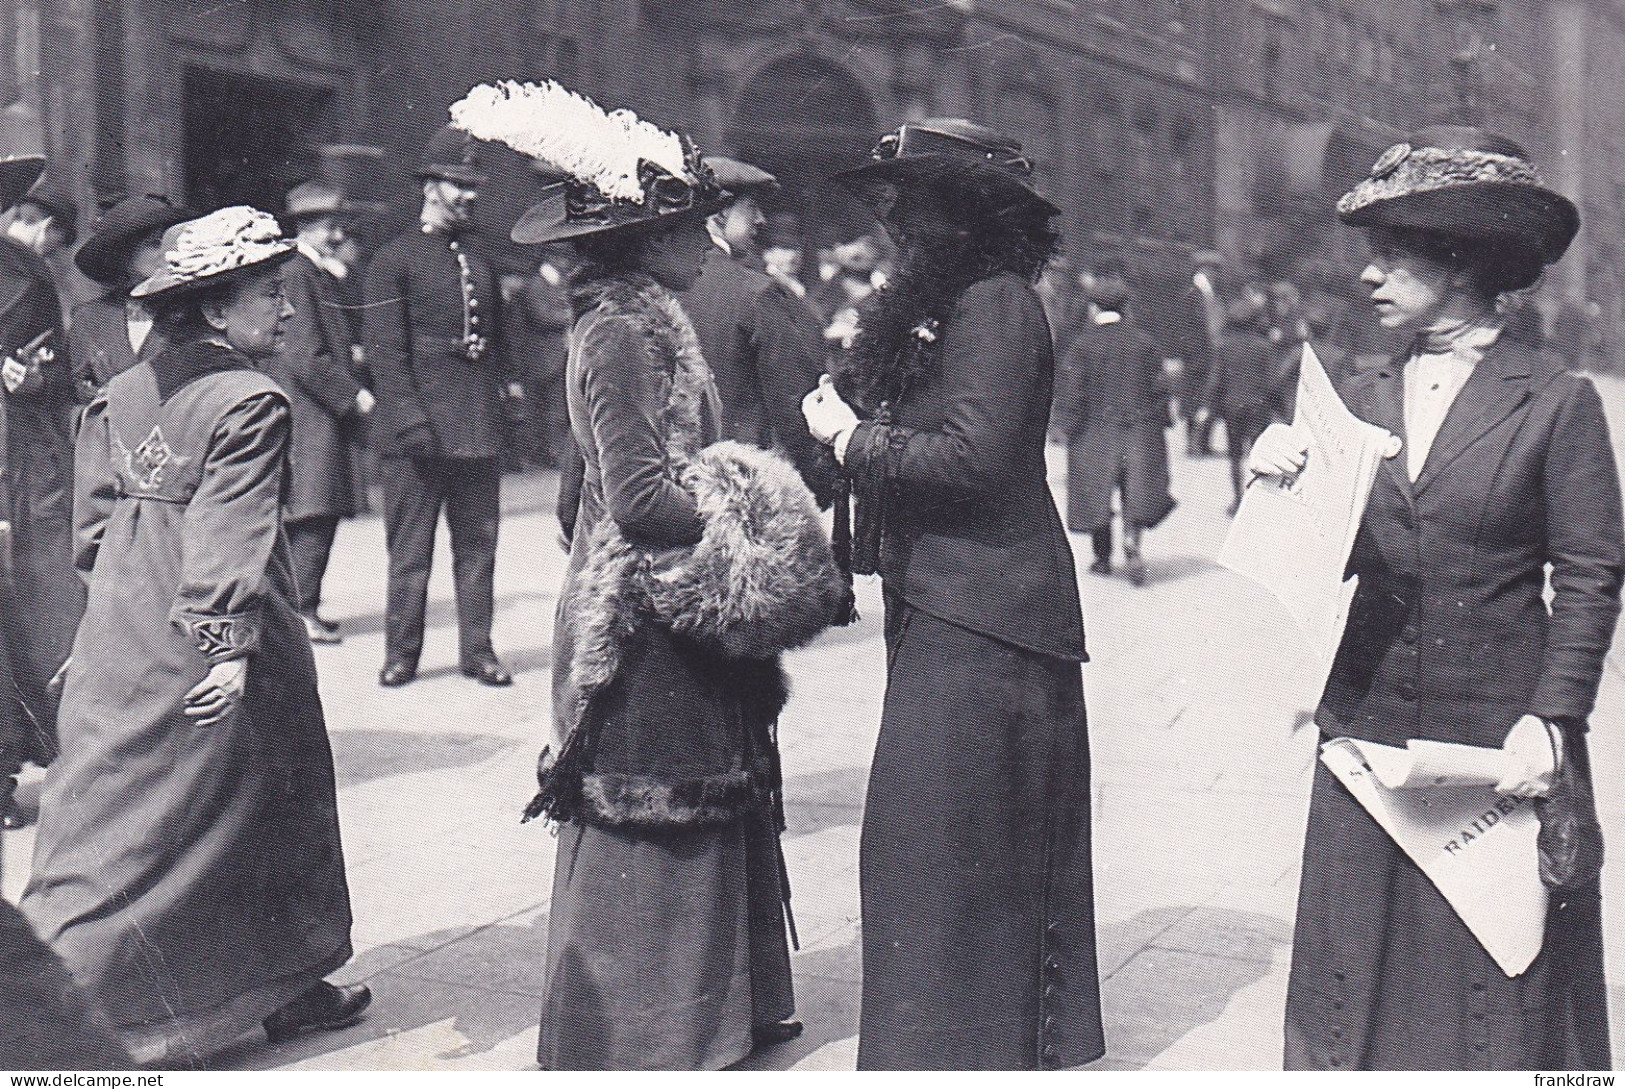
{"x":1506,"y":469}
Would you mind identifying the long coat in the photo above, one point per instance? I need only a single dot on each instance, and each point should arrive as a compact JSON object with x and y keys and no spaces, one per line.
{"x":313,"y":369}
{"x":975,"y":865}
{"x":766,"y":352}
{"x":1449,"y":639}
{"x":674,"y":834}
{"x":1113,"y":409}
{"x":39,"y":469}
{"x":192,"y":879}
{"x":99,"y":342}
{"x":415,"y":315}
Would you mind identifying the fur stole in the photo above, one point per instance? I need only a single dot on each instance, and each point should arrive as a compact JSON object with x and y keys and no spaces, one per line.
{"x":761,"y":580}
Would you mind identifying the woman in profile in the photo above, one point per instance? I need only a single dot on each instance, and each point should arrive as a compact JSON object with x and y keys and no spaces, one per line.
{"x":188,"y":868}
{"x":692,"y":565}
{"x":1506,"y":470}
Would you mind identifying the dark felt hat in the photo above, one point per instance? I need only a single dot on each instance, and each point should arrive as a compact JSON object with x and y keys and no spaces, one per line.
{"x":55,"y":198}
{"x":1466,"y":183}
{"x":17,"y":173}
{"x":107,"y":251}
{"x":926,"y":151}
{"x":451,"y":155}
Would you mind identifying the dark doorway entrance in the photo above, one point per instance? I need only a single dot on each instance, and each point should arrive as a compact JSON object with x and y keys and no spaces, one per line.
{"x":803,"y":119}
{"x":248,"y":140}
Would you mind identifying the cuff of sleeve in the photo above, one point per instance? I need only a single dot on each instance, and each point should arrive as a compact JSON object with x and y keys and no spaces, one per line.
{"x":220,"y":638}
{"x":842,"y":441}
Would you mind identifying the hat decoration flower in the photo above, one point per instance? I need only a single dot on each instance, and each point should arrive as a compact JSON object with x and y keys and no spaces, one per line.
{"x":618,"y":169}
{"x":222,"y":242}
{"x":229,"y":239}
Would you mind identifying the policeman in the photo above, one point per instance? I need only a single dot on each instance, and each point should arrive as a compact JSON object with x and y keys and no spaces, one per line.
{"x":762,"y":342}
{"x":431,"y":313}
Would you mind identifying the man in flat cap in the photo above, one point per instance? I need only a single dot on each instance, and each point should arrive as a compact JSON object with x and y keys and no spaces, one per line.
{"x":430,"y":318}
{"x":313,"y":368}
{"x":762,"y":342}
{"x":36,"y":386}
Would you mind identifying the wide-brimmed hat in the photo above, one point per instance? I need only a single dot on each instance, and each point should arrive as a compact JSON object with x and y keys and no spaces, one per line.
{"x":740,"y":177}
{"x":202,"y":252}
{"x":1466,"y":183}
{"x":107,"y":251}
{"x":314,"y":200}
{"x":451,"y":155}
{"x":946,"y":148}
{"x":620,"y":173}
{"x":17,"y":173}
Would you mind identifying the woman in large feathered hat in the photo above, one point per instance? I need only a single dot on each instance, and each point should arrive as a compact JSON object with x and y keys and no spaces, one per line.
{"x":1503,"y":472}
{"x":692,"y":566}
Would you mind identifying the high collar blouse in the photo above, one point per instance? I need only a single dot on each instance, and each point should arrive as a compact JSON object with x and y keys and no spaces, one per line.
{"x":1439,"y":366}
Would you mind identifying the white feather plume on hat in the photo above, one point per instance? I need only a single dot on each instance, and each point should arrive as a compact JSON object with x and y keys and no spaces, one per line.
{"x":571,"y":133}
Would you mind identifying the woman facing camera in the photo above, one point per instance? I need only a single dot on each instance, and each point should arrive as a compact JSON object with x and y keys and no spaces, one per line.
{"x":691,"y":566}
{"x":1506,"y":470}
{"x":188,"y":868}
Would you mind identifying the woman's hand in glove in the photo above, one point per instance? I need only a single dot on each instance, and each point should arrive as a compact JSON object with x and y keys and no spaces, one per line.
{"x":214,"y":699}
{"x":828,"y":416}
{"x":1282,"y":450}
{"x":1531,"y":759}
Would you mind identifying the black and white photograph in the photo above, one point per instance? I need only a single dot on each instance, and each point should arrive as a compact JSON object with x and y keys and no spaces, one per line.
{"x":811,"y":535}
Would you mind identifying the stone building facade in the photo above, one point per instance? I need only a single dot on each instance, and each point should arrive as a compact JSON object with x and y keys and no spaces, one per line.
{"x":1161,"y":126}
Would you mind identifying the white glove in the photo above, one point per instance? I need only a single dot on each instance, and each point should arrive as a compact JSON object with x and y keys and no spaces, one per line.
{"x":14,"y":373}
{"x":1281,"y":450}
{"x":1531,"y":758}
{"x":828,"y":417}
{"x":365,"y":402}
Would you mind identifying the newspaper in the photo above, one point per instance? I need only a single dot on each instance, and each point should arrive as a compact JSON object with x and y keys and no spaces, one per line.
{"x":1293,"y":535}
{"x":1438,"y":802}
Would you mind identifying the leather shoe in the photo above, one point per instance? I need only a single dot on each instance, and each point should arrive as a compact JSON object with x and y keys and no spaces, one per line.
{"x":320,"y":633}
{"x":323,"y":1008}
{"x":488,"y":671}
{"x":776,"y":1032}
{"x":395,"y":674}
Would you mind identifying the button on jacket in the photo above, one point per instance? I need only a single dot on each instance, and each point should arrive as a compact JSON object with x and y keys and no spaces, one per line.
{"x":1449,"y":637}
{"x":415,"y":320}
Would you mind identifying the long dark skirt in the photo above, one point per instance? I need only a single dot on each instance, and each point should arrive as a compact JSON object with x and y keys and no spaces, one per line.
{"x":663,"y":949}
{"x":978,"y":895}
{"x":1385,"y":976}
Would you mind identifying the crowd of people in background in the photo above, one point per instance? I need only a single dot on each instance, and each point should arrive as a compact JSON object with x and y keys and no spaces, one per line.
{"x":182,"y":449}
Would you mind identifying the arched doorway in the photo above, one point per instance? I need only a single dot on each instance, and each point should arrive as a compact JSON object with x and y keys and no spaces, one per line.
{"x":804,"y":119}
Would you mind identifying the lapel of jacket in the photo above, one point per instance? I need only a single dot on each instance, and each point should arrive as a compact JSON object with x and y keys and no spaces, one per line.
{"x":1385,"y":407}
{"x":1499,"y":384}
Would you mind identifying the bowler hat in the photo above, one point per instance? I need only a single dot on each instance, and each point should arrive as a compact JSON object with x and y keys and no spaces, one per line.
{"x":17,"y":173}
{"x":313,"y":200}
{"x":107,"y":251}
{"x":453,"y":156}
{"x":738,"y":176}
{"x":1466,"y":183}
{"x":925,"y":151}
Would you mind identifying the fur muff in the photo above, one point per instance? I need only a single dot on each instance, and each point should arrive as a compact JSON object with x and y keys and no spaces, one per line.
{"x":763,"y":578}
{"x":642,"y":801}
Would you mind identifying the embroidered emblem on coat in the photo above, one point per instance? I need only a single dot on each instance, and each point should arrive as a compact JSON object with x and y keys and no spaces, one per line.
{"x":150,"y":458}
{"x":214,"y":636}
